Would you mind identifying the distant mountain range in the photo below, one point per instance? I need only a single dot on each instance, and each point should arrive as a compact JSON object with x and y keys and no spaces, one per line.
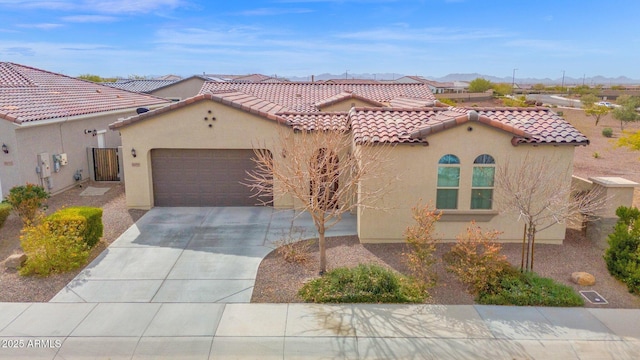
{"x":595,"y":80}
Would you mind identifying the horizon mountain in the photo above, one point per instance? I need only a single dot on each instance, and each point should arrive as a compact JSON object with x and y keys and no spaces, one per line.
{"x":594,"y":80}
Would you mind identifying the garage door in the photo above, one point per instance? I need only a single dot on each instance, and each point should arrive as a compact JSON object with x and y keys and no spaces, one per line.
{"x":185,"y":177}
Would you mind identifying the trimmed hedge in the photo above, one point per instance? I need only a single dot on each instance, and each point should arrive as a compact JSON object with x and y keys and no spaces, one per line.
{"x":363,"y":284}
{"x":91,"y":216}
{"x":54,"y":247}
{"x":5,"y":211}
{"x":529,"y":289}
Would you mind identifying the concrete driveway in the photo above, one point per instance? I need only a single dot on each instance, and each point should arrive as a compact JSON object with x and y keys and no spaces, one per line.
{"x":190,"y":255}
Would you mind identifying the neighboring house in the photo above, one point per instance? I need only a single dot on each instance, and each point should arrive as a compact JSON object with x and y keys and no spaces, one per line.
{"x":170,"y":89}
{"x":197,"y":152}
{"x":48,"y":120}
{"x":435,"y":86}
{"x":180,"y":89}
{"x":251,"y":78}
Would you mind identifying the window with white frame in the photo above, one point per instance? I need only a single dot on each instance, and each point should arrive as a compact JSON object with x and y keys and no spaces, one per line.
{"x":448,"y":182}
{"x":484,"y":170}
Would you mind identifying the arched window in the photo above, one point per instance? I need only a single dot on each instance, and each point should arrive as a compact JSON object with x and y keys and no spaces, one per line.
{"x":484,"y":171}
{"x":448,"y":182}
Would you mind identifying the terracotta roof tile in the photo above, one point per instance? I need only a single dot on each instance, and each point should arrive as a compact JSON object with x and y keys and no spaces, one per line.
{"x":345,"y":95}
{"x":404,"y":102}
{"x":534,"y":126}
{"x":541,"y":124}
{"x":28,"y":94}
{"x":337,"y":121}
{"x":303,"y":97}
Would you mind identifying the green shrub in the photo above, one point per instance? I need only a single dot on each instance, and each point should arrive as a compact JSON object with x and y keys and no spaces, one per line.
{"x":5,"y":211}
{"x":476,"y":259}
{"x":448,"y":101}
{"x":528,"y":289}
{"x":362,"y":284}
{"x":623,"y":255}
{"x":91,"y":216}
{"x":27,"y":200}
{"x":607,"y":132}
{"x":53,"y":249}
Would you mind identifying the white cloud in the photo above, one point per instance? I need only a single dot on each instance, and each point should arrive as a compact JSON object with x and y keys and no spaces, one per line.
{"x":271,"y":12}
{"x":423,"y":35}
{"x":44,"y":26}
{"x":99,"y":6}
{"x":89,"y":19}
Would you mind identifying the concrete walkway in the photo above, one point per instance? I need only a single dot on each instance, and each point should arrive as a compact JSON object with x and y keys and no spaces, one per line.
{"x":201,"y":255}
{"x":176,"y":286}
{"x":306,"y":331}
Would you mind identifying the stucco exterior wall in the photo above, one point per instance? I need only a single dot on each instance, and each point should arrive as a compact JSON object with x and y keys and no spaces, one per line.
{"x":53,"y":137}
{"x":417,"y":166}
{"x":9,"y":169}
{"x":185,"y":128}
{"x":180,"y":90}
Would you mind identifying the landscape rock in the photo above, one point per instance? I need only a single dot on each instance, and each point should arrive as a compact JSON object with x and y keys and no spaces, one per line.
{"x":15,"y":261}
{"x":583,"y":278}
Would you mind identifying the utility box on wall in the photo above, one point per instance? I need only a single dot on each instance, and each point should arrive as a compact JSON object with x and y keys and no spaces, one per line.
{"x":44,"y":164}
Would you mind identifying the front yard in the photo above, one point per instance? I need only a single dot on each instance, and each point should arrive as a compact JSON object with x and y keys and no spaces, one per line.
{"x":278,"y":281}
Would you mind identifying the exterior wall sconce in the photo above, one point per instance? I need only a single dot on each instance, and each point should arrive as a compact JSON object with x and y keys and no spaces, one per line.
{"x":133,"y":152}
{"x":5,"y":148}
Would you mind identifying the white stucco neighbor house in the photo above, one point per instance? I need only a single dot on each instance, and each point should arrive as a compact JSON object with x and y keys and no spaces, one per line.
{"x":49,"y":120}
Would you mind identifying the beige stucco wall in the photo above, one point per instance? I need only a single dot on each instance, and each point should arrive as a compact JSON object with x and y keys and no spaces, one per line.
{"x":416,"y":166}
{"x":180,"y":90}
{"x":185,"y":128}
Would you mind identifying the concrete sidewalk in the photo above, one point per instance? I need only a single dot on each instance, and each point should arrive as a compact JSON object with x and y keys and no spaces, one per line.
{"x":201,"y":255}
{"x":306,"y":331}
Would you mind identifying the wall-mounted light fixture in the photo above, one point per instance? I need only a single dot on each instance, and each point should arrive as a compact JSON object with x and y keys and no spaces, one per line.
{"x":5,"y":148}
{"x":133,"y":152}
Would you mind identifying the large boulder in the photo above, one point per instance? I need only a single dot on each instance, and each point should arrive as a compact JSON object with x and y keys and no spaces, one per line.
{"x":583,"y":278}
{"x":15,"y":261}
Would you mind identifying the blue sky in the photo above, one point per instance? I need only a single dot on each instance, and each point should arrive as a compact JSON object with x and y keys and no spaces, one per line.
{"x":303,"y":37}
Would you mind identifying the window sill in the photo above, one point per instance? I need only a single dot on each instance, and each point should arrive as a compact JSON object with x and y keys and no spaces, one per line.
{"x":467,"y":216}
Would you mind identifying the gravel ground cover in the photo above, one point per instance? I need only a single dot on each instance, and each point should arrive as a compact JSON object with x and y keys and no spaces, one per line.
{"x":116,"y":219}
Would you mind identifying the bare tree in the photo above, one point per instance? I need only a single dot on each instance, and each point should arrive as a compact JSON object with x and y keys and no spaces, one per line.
{"x":321,"y":170}
{"x":541,"y":195}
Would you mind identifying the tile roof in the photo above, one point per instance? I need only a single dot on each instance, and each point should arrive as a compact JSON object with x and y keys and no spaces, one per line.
{"x":303,"y":97}
{"x":28,"y":94}
{"x":140,"y":86}
{"x":403,"y":102}
{"x":387,"y":125}
{"x":345,"y":95}
{"x":527,"y":125}
{"x":241,"y":101}
{"x":545,"y":126}
{"x":336,"y":121}
{"x":411,"y":119}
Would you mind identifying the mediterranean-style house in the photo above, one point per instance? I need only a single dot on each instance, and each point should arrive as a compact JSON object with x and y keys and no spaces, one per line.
{"x":48,"y":120}
{"x":197,"y":152}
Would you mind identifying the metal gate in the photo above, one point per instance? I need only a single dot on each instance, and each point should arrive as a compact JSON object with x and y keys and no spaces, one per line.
{"x":105,"y":164}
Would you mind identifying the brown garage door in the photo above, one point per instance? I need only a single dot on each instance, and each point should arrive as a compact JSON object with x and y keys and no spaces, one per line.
{"x":186,"y":177}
